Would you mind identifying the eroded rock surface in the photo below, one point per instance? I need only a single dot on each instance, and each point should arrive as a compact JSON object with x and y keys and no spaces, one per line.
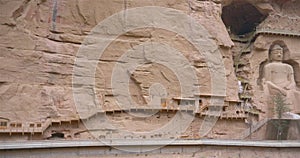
{"x":39,"y":41}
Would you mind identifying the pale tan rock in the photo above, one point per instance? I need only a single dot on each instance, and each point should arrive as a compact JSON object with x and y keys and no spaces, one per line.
{"x":264,"y":7}
{"x":278,"y":79}
{"x":39,"y":43}
{"x":260,"y":43}
{"x":209,"y":14}
{"x":38,"y":50}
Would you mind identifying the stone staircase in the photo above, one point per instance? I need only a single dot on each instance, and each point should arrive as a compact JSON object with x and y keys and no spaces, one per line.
{"x":253,"y":128}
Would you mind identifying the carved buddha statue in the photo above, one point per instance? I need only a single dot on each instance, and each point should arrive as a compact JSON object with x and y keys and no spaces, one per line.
{"x":279,"y":78}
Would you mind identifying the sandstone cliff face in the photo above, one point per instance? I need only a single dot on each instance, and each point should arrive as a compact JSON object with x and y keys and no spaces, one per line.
{"x":39,"y":41}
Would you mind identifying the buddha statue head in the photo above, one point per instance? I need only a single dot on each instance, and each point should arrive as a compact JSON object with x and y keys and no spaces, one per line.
{"x":276,"y":53}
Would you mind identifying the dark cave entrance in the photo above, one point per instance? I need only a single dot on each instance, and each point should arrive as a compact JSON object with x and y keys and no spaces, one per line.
{"x":241,"y":17}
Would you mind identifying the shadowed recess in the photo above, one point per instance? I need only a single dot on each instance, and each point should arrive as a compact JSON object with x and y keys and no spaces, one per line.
{"x":241,"y":17}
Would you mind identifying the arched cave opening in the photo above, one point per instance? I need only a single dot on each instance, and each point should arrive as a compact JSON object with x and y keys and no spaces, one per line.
{"x":241,"y":17}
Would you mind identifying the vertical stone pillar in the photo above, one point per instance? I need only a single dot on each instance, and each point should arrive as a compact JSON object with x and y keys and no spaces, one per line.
{"x":197,"y":100}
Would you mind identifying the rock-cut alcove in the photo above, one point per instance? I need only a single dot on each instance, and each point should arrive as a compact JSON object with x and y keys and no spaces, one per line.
{"x":241,"y":17}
